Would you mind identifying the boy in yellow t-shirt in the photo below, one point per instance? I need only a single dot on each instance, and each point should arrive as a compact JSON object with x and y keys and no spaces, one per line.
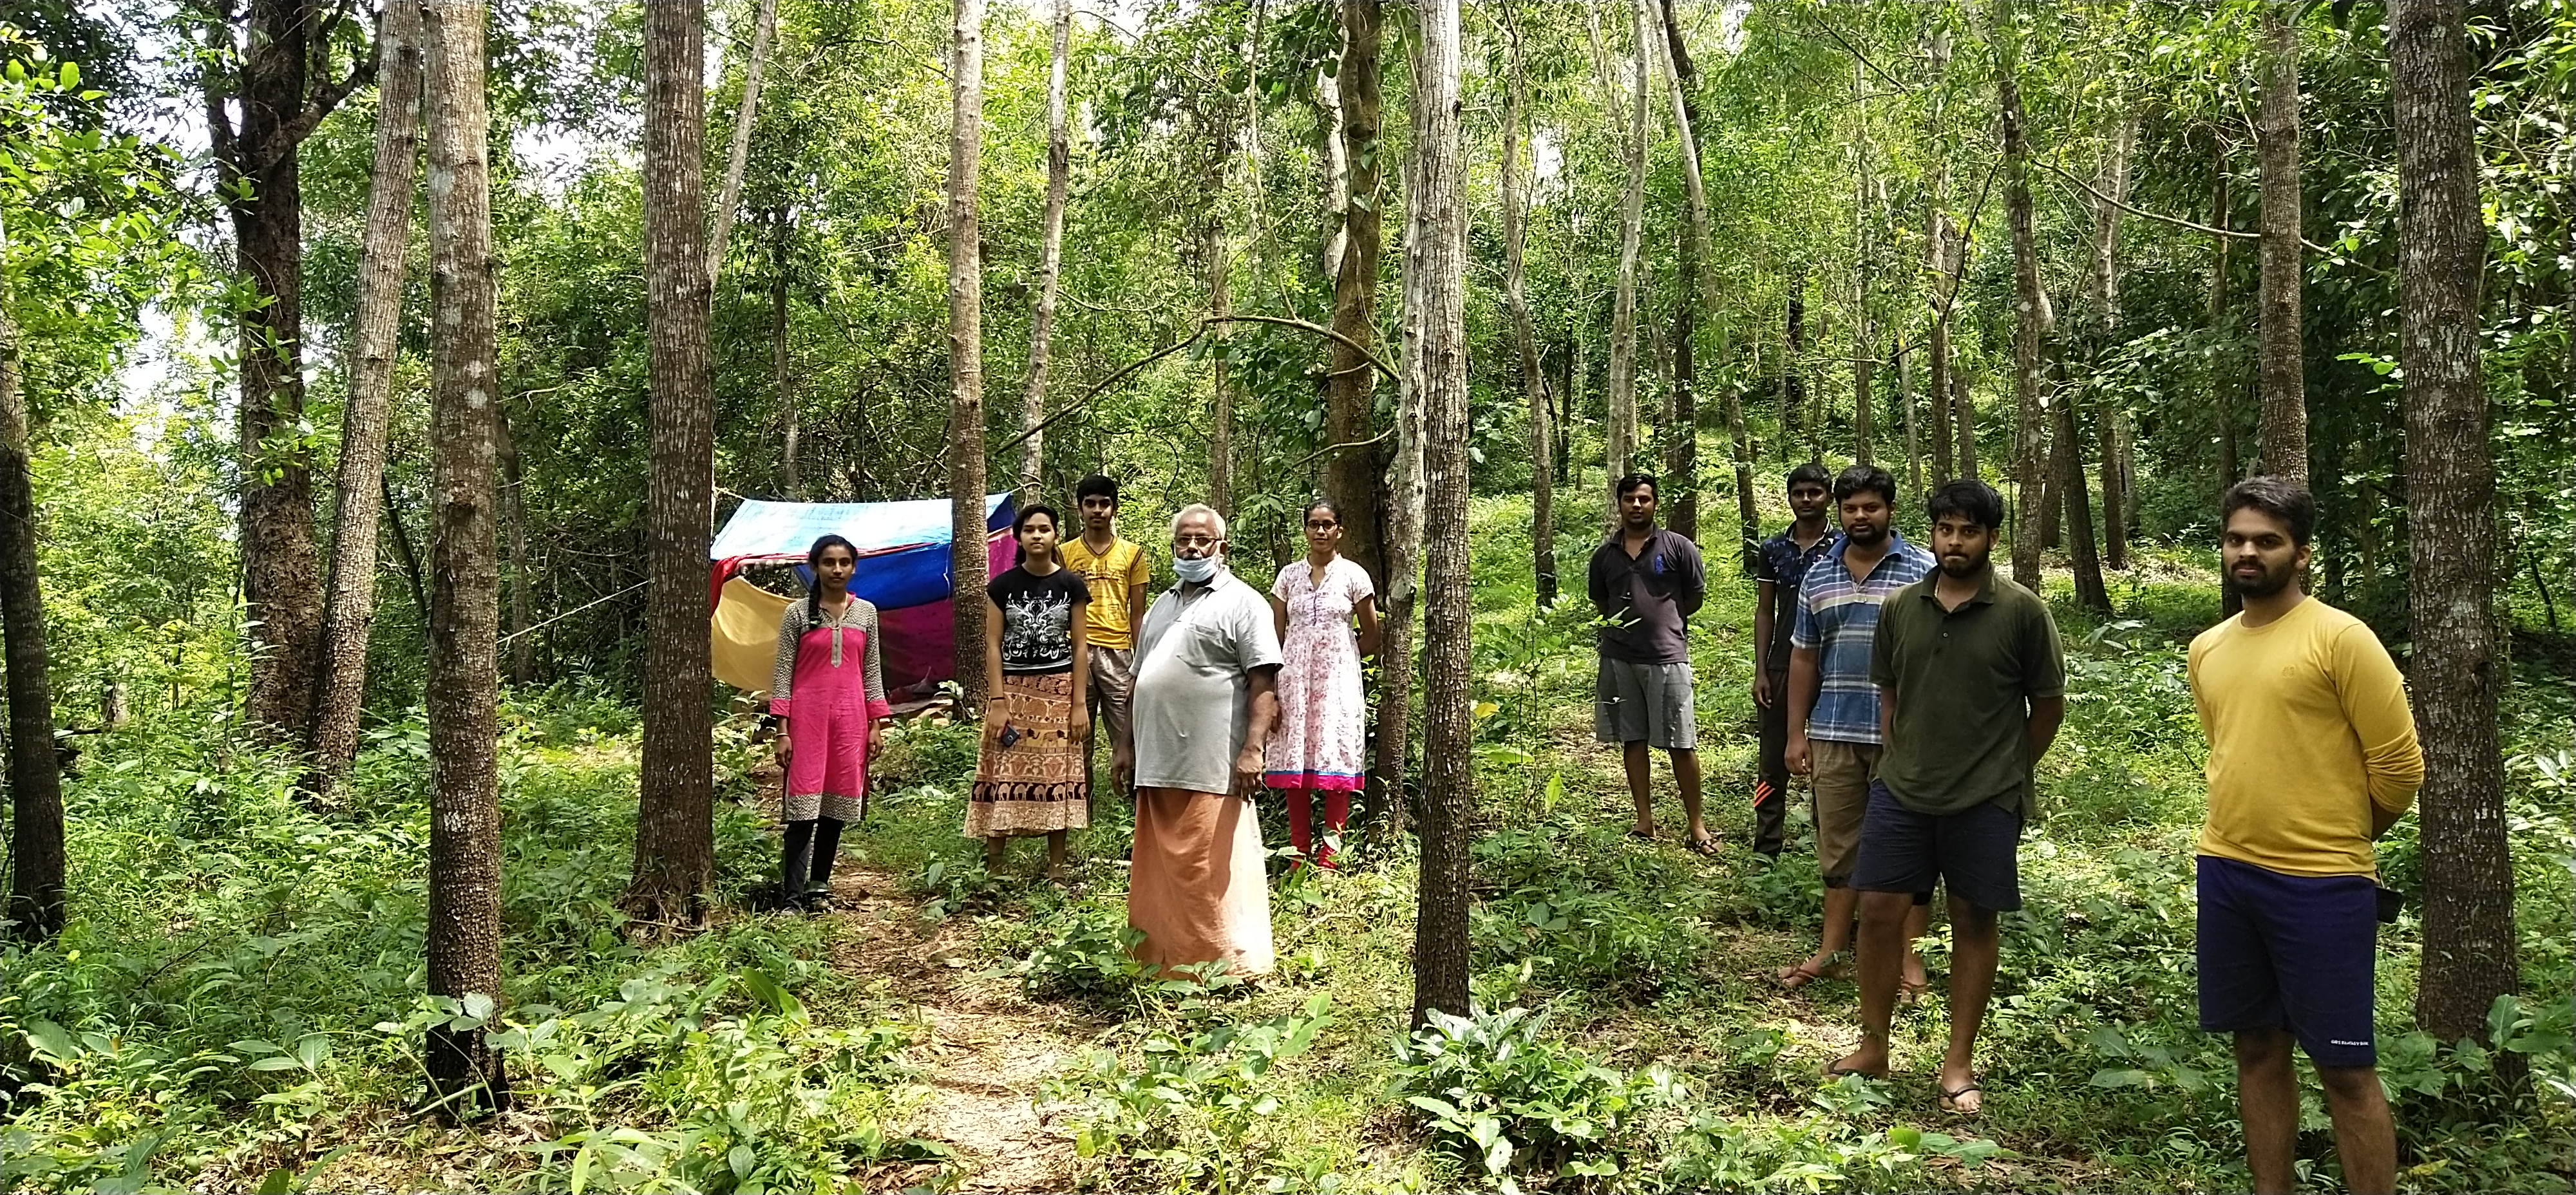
{"x":2312,"y":755}
{"x":1117,"y":573}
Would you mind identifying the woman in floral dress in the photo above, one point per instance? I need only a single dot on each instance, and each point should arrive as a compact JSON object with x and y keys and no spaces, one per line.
{"x":1320,"y":742}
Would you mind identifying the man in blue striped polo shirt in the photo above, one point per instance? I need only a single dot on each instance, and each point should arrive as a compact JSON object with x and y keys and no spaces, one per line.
{"x":1833,"y":705}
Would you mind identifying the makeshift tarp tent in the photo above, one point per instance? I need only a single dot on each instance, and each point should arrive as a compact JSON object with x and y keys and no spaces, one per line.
{"x":903,"y":570}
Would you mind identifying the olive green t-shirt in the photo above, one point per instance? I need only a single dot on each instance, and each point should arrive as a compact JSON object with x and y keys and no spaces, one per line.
{"x":1964,"y":679}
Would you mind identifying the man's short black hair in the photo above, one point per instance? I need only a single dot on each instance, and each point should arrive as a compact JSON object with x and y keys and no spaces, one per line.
{"x":1100,"y":484}
{"x":1865,"y":477}
{"x":1632,"y":481}
{"x":2278,"y":497}
{"x":1969,"y":499}
{"x":1811,"y":473}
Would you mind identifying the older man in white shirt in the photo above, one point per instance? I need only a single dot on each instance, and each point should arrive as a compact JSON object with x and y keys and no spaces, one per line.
{"x":1207,"y":661}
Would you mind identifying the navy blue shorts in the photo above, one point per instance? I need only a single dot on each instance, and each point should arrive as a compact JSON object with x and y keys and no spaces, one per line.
{"x":1975,"y":852}
{"x":2290,"y":952}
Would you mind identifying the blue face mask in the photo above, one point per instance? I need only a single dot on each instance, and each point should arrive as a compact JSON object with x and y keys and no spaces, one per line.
{"x":1196,"y":572}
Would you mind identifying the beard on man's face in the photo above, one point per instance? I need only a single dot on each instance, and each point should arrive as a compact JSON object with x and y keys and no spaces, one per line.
{"x":1962,"y":565}
{"x":1863,"y":531}
{"x":2256,"y":579}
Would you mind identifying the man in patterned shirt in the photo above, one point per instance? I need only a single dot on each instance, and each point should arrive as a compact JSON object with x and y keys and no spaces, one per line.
{"x":1833,"y":704}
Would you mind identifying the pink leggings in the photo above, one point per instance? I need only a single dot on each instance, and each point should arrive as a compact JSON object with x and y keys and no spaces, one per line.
{"x":1301,"y":813}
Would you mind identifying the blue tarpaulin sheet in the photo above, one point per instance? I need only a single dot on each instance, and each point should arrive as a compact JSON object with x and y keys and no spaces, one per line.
{"x":903,"y":546}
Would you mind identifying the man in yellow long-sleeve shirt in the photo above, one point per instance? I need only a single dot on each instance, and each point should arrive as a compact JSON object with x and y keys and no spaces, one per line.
{"x":2312,"y":755}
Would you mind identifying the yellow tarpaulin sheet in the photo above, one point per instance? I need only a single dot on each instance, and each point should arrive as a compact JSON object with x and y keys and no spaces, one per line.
{"x":743,"y":636}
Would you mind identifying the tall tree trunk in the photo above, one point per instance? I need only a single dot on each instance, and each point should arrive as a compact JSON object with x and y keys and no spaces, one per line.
{"x":1913,"y":434}
{"x":2285,"y":401}
{"x":1622,"y":428}
{"x":1862,"y":364}
{"x":331,"y":736}
{"x":464,"y":780}
{"x":1441,"y":958}
{"x":2222,"y":386}
{"x":1701,"y":264}
{"x":1337,"y":174}
{"x":675,"y":824}
{"x":764,"y":27}
{"x":1404,"y":517}
{"x":258,"y":172}
{"x":966,"y":549}
{"x":36,"y":884}
{"x":2030,"y":441}
{"x":2469,"y":944}
{"x":1793,"y":364}
{"x":791,"y":480}
{"x":404,"y":551}
{"x":1936,"y":256}
{"x":1050,"y":256}
{"x":1353,"y":476}
{"x":1214,"y":256}
{"x":2113,"y":420}
{"x":1963,"y":406}
{"x":1516,"y":291}
{"x":2090,"y":593}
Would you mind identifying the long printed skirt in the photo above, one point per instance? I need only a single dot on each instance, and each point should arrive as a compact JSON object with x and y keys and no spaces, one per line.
{"x":1197,"y":889}
{"x":1040,"y":783}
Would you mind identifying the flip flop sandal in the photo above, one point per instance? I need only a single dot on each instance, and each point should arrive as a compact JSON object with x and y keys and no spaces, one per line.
{"x":1705,"y":848}
{"x":1792,"y":978}
{"x":1641,"y":835}
{"x":1909,"y":994}
{"x":1836,"y":1070}
{"x":1949,"y":1101}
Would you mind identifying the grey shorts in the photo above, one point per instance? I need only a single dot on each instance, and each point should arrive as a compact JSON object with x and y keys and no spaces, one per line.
{"x":1649,"y":703}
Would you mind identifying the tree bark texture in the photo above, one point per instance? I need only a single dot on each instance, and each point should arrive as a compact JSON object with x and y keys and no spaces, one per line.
{"x":2030,"y":434}
{"x":1793,"y":364}
{"x":1936,"y":257}
{"x":2077,"y":506}
{"x":1622,"y":425}
{"x":764,"y":28}
{"x":1217,"y":259}
{"x":966,"y":548}
{"x":1404,"y":512}
{"x":1516,"y":292}
{"x":675,"y":824}
{"x":1354,"y":476}
{"x":463,"y":690}
{"x":258,"y":173}
{"x":1441,"y":959}
{"x":791,"y":479}
{"x":331,"y":735}
{"x":2285,"y":400}
{"x":1905,"y":403}
{"x":1701,"y":266}
{"x":1963,"y":407}
{"x":2113,"y":419}
{"x":36,"y":863}
{"x":2457,"y":668}
{"x":1050,"y":258}
{"x":1862,"y":365}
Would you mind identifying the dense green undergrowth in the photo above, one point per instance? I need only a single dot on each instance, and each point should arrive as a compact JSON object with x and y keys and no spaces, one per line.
{"x":238,"y":999}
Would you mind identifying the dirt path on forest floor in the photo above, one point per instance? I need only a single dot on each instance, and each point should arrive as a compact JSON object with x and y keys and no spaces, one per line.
{"x":985,"y":1049}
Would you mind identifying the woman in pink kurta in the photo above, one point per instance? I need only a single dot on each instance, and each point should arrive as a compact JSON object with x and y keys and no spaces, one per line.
{"x":829,"y":689}
{"x":1320,"y":742}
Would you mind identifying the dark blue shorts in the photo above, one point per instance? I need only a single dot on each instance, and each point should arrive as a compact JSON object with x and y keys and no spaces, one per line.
{"x":2290,"y":952}
{"x":1975,"y":852}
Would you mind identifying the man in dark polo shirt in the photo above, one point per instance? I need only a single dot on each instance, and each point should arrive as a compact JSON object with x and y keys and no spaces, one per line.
{"x":1972,"y":686}
{"x":1647,"y":582}
{"x":1778,"y":570}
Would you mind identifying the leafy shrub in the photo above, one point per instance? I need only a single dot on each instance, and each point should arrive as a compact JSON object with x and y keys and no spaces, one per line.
{"x":1512,"y":1103}
{"x":1084,"y":950}
{"x":1190,"y":1114}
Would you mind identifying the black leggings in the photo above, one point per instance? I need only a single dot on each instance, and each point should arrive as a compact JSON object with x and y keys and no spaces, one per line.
{"x":812,"y":845}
